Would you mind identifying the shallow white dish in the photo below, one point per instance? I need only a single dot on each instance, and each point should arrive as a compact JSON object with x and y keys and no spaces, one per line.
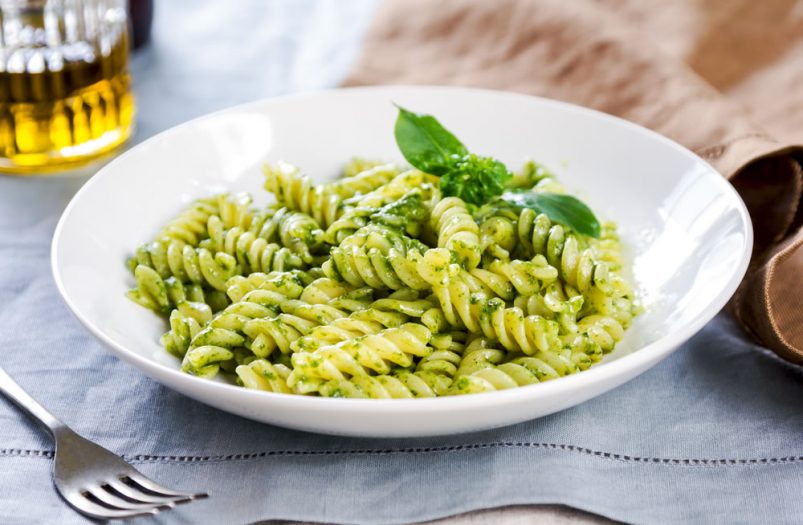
{"x":686,"y":232}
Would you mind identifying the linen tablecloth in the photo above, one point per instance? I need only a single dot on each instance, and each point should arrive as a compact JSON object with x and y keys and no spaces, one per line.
{"x":713,"y":433}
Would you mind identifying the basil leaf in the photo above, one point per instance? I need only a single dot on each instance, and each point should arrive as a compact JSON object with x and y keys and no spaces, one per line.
{"x":425,"y":143}
{"x":475,"y":179}
{"x":564,"y":209}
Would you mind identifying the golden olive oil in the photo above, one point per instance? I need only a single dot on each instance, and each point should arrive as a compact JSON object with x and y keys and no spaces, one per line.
{"x":63,"y":106}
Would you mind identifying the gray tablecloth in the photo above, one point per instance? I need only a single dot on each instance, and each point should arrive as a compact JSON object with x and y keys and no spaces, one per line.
{"x":714,"y":433}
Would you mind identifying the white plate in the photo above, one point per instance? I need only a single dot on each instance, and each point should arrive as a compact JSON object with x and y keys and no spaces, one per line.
{"x":686,"y":232}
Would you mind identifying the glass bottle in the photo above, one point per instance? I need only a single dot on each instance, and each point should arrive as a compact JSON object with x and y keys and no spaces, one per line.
{"x":65,"y":88}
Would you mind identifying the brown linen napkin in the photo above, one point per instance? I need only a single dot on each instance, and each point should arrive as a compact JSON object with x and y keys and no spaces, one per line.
{"x":653,"y":63}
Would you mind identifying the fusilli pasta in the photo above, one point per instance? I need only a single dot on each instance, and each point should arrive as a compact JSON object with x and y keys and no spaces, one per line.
{"x":376,"y":285}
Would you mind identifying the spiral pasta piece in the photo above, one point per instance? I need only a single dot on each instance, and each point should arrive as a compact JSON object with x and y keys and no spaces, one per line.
{"x":377,"y":256}
{"x":388,"y":200}
{"x":197,"y":266}
{"x":191,"y":265}
{"x":297,"y":231}
{"x":479,"y":353}
{"x":392,"y":311}
{"x":509,"y":278}
{"x":151,"y":291}
{"x":348,"y":224}
{"x":582,"y":349}
{"x":608,"y":247}
{"x":190,"y":228}
{"x":190,"y":225}
{"x":497,"y":236}
{"x":364,"y":386}
{"x":432,"y":377}
{"x":236,"y":210}
{"x":622,"y":306}
{"x":216,"y":343}
{"x":603,"y":330}
{"x":434,"y":373}
{"x":297,"y":319}
{"x":261,"y":374}
{"x":398,"y":186}
{"x":323,"y":203}
{"x":365,"y":181}
{"x":553,"y":304}
{"x":186,"y":320}
{"x":539,"y":236}
{"x":457,"y":230}
{"x":486,"y":368}
{"x":515,"y":331}
{"x":256,"y":249}
{"x":323,"y":290}
{"x":357,"y":165}
{"x":255,"y":324}
{"x":263,"y":256}
{"x":347,"y":328}
{"x":163,"y":295}
{"x":492,"y":378}
{"x":297,"y":192}
{"x":405,"y":214}
{"x":290,"y":284}
{"x":179,"y":292}
{"x":357,"y":357}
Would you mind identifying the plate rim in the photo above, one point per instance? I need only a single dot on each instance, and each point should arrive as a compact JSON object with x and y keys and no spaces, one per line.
{"x":639,"y":359}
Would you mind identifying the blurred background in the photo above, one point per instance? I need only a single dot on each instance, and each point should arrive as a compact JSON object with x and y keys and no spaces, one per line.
{"x":195,"y":57}
{"x":205,"y":56}
{"x":64,"y":68}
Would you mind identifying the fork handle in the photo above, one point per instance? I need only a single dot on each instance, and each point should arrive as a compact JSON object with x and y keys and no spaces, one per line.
{"x":22,"y":399}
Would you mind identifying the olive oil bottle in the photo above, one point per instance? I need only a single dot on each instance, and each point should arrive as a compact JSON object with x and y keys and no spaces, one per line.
{"x":65,"y":89}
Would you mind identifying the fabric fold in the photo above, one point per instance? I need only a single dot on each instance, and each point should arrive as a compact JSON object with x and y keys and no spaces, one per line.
{"x":591,"y":53}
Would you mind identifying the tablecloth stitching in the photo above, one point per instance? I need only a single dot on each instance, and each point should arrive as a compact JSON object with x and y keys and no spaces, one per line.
{"x":148,"y":458}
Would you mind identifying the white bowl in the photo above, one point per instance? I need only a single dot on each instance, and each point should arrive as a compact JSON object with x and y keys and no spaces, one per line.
{"x":686,"y":231}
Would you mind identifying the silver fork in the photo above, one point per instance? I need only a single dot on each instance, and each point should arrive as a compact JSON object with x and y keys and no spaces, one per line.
{"x":93,"y":480}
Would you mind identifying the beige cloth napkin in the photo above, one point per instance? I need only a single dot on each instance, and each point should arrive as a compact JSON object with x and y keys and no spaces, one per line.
{"x":725,"y":79}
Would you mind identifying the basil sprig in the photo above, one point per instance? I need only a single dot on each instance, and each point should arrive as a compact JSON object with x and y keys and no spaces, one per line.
{"x":476,"y":179}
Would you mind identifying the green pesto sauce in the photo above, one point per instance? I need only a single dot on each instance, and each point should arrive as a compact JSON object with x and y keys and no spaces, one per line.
{"x":462,"y":384}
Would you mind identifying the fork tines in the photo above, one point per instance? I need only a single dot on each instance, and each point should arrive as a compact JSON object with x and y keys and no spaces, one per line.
{"x":130,"y":494}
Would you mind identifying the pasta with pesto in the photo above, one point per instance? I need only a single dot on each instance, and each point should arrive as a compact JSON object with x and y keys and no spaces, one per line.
{"x":381,"y":284}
